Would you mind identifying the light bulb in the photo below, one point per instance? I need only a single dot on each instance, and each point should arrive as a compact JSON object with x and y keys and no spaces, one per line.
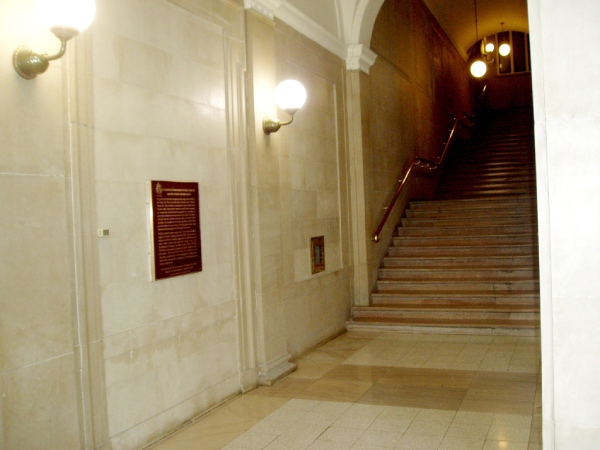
{"x":76,"y":14}
{"x":290,"y":96}
{"x":478,"y":69}
{"x":489,"y":47}
{"x":504,"y":49}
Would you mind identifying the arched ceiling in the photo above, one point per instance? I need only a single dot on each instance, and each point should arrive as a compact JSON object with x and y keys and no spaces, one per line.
{"x":351,"y":21}
{"x":457,"y":18}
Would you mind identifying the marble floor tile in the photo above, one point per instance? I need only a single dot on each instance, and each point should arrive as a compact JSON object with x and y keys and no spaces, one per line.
{"x":439,"y":362}
{"x":379,"y":438}
{"x":471,"y":430}
{"x":329,"y":445}
{"x":289,"y":387}
{"x":431,"y":378}
{"x":344,"y":435}
{"x":359,"y":416}
{"x":312,"y":369}
{"x":419,"y":442}
{"x":348,"y":372}
{"x":388,"y":391}
{"x":335,"y":390}
{"x":510,"y":427}
{"x":504,"y":445}
{"x":461,"y":443}
{"x":416,"y":397}
{"x":289,"y":443}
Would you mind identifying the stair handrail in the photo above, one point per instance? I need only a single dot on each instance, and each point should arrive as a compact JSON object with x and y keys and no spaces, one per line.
{"x":424,"y":163}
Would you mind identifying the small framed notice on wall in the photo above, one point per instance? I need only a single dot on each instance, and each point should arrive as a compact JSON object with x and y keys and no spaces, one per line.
{"x":176,"y":245}
{"x":317,"y":254}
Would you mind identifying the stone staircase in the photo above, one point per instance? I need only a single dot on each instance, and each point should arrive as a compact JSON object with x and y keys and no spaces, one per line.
{"x":468,"y":260}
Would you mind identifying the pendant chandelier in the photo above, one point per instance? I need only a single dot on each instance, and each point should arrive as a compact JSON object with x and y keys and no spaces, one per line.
{"x":478,"y":65}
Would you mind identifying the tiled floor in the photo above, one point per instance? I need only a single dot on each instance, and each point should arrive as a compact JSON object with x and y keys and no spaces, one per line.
{"x":388,"y":391}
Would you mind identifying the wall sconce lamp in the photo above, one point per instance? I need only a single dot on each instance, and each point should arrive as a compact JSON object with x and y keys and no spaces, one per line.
{"x":290,"y":96}
{"x":64,"y":18}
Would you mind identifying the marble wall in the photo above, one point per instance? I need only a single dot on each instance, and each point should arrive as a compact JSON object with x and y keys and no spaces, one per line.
{"x":315,"y":184}
{"x":94,"y":353}
{"x":38,"y":361}
{"x":300,"y":189}
{"x":170,"y":347}
{"x":567,"y":123}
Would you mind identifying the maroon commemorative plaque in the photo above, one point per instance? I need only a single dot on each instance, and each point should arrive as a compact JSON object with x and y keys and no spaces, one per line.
{"x":175,"y":228}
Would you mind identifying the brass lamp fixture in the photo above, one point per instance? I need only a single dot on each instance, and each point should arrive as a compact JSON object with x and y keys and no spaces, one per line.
{"x":290,"y":96}
{"x":477,"y":64}
{"x":65,"y":19}
{"x":504,"y":48}
{"x":479,"y":57}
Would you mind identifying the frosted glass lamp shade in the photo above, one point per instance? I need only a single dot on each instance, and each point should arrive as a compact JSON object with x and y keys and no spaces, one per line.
{"x":72,"y":14}
{"x":489,"y":47}
{"x":64,"y":18}
{"x":478,"y":69}
{"x":504,"y":49}
{"x":290,"y":96}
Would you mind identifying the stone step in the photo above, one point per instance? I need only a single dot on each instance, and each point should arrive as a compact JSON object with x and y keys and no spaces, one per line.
{"x":466,"y":168}
{"x":482,"y":212}
{"x":461,"y":241}
{"x":498,"y":137}
{"x":462,"y":326}
{"x":488,"y":230}
{"x":503,"y":262}
{"x":482,"y":251}
{"x":503,"y":157}
{"x":489,"y":182}
{"x":521,"y":147}
{"x":459,"y":286}
{"x":422,"y":296}
{"x":509,"y":203}
{"x":465,"y":222}
{"x":481,"y":193}
{"x":461,"y":274}
{"x":449,"y":311}
{"x":492,"y":173}
{"x":453,"y":174}
{"x":483,"y":146}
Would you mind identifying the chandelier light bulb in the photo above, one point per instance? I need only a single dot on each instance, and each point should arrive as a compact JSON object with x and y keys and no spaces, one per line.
{"x":478,"y":69}
{"x":504,"y":49}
